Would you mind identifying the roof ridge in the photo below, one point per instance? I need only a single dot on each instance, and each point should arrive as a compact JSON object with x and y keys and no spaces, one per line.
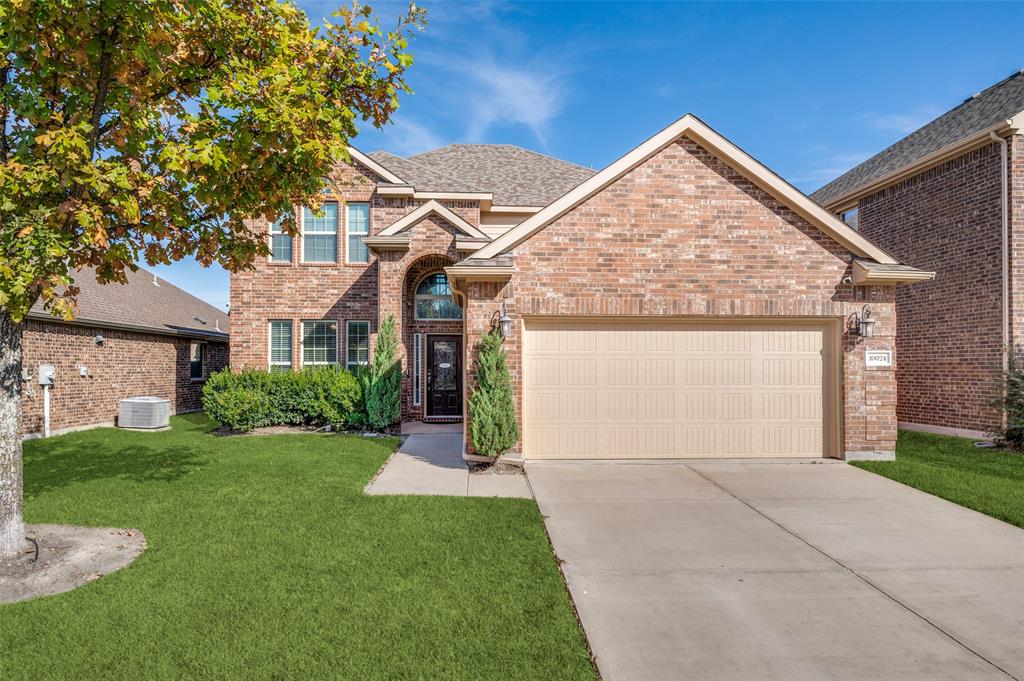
{"x":510,"y":146}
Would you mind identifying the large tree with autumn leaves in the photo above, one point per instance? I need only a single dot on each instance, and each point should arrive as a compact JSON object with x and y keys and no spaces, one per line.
{"x":154,"y":129}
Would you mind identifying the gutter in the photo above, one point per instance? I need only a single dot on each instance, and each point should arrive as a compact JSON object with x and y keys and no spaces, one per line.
{"x":1004,"y":209}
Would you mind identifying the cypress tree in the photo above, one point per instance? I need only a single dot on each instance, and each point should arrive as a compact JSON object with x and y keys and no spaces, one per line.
{"x":492,"y":425}
{"x":384,"y":398}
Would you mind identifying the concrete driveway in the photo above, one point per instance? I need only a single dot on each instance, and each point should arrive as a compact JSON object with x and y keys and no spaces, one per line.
{"x":782,"y":571}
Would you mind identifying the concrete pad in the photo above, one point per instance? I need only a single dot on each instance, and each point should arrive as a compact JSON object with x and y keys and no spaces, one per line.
{"x":425,"y":464}
{"x":421,"y":428}
{"x":733,"y":625}
{"x":508,"y":486}
{"x":782,"y":572}
{"x":432,"y":464}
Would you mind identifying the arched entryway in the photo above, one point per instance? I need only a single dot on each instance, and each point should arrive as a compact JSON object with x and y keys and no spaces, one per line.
{"x":432,"y":328}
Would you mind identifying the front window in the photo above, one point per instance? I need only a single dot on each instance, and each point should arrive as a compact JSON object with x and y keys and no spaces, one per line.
{"x":280,"y":345}
{"x":319,"y":343}
{"x":358,"y":223}
{"x":197,"y":358}
{"x":320,"y":234}
{"x":434,"y":299}
{"x":357,"y":344}
{"x":280,"y":244}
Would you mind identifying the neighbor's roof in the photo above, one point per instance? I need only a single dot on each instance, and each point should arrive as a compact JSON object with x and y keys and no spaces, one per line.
{"x":146,"y":303}
{"x":516,"y":176}
{"x":981,"y":112}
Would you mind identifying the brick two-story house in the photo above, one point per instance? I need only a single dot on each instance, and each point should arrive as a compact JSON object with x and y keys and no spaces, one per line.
{"x":683,"y":302}
{"x":949,"y":197}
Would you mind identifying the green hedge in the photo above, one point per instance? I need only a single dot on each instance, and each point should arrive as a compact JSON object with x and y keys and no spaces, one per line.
{"x":251,"y":399}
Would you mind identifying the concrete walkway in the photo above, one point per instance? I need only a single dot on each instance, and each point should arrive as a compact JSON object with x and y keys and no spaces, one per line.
{"x":782,"y":571}
{"x":431,"y":463}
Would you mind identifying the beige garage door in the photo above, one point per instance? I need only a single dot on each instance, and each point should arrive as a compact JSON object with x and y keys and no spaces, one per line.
{"x":634,"y":389}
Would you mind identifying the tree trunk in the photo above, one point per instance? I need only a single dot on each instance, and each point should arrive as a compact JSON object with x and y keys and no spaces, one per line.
{"x":12,"y":532}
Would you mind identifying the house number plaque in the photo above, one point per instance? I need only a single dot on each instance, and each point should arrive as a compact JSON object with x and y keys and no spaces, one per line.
{"x":878,"y":358}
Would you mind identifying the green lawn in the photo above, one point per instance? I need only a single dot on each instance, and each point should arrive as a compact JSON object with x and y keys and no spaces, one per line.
{"x":266,"y":561}
{"x":987,"y":480}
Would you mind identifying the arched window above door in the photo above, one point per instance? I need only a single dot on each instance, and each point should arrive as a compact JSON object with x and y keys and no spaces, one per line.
{"x":434,"y":299}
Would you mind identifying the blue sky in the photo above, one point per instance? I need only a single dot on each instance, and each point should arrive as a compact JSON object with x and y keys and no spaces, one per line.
{"x":810,"y":89}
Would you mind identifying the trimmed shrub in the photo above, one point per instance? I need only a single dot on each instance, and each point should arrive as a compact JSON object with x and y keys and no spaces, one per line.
{"x":383,"y":396}
{"x":492,"y":413}
{"x":1011,"y":390}
{"x":253,"y":399}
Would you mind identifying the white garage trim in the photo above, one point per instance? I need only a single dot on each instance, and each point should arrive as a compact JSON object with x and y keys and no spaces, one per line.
{"x":644,"y":388}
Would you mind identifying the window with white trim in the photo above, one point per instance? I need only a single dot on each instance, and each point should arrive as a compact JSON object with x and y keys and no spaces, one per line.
{"x":434,"y":299}
{"x":197,"y":361}
{"x":280,"y":244}
{"x":319,"y":343}
{"x":850,"y":216}
{"x":320,"y":234}
{"x":416,"y":368}
{"x":281,"y":345}
{"x":357,"y":344}
{"x":357,"y":225}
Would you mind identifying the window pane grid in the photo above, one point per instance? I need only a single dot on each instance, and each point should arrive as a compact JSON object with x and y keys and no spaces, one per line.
{"x":320,"y":234}
{"x":433,"y":299}
{"x":281,"y":248}
{"x":319,"y":343}
{"x":358,"y":224}
{"x":357,"y":343}
{"x":281,"y":344}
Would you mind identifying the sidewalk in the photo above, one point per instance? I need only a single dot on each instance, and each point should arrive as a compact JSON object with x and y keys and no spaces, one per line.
{"x":431,"y":464}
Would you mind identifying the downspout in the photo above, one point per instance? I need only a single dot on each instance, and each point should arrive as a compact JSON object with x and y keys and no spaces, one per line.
{"x":1004,"y":208}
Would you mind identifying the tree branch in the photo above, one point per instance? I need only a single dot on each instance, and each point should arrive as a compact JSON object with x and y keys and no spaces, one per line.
{"x":102,"y":83}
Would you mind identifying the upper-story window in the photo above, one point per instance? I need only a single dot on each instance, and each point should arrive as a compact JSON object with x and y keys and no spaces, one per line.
{"x":320,"y":234}
{"x":358,"y":226}
{"x":434,"y":299}
{"x":280,"y":244}
{"x":850,"y":216}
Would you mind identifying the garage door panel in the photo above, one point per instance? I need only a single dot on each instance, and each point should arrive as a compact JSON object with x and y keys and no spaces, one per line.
{"x":659,"y":390}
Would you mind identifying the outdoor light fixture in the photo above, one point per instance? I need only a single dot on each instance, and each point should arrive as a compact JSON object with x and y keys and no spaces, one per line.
{"x":504,"y":322}
{"x":99,"y":339}
{"x":862,"y":323}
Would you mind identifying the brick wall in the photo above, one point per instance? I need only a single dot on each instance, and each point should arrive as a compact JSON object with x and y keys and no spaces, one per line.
{"x":685,"y":235}
{"x":297,"y":291}
{"x":949,"y":333}
{"x":127,"y":364}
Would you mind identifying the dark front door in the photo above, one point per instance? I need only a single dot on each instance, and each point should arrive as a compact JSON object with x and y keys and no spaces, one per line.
{"x":444,"y":376}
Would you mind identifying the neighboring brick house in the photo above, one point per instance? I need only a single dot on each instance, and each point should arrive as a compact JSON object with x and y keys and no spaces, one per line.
{"x":143,"y":338}
{"x":682,"y":302}
{"x":950,"y":198}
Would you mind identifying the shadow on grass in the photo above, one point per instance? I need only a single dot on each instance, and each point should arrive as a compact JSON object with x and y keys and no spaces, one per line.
{"x":105,"y":454}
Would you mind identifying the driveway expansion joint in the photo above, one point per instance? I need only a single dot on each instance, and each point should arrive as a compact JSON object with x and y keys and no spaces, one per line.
{"x":853,"y":572}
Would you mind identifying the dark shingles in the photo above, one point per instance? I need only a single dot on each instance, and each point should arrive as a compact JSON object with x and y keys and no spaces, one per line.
{"x":141,"y":303}
{"x":421,"y":175}
{"x":984,"y":110}
{"x":516,"y":176}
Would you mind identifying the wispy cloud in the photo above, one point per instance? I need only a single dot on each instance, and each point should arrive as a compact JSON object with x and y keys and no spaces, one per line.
{"x":903,"y":123}
{"x":826,"y":168}
{"x":407,"y":137}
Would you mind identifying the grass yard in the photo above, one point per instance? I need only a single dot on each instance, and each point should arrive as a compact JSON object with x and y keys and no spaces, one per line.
{"x":988,"y":480}
{"x":266,"y":561}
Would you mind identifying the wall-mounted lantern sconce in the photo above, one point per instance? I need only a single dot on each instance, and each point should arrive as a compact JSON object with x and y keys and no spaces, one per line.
{"x":862,"y":324}
{"x":504,"y":322}
{"x":99,"y":339}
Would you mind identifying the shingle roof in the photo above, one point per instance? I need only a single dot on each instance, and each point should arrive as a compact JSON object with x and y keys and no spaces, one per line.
{"x":420,"y":175}
{"x":145,"y":302}
{"x":516,"y":176}
{"x":982,"y":111}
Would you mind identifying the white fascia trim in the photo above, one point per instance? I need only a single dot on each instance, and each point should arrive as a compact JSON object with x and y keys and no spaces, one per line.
{"x":426,"y":209}
{"x":516,"y":209}
{"x":692,"y":127}
{"x":365,"y":160}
